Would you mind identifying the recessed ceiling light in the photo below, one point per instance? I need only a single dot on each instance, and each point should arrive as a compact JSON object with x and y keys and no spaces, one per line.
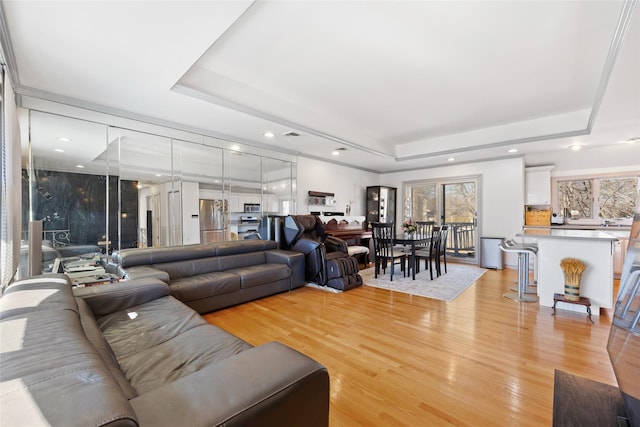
{"x":58,"y":150}
{"x":80,"y":166}
{"x":235,"y":147}
{"x":337,"y":151}
{"x":64,"y":139}
{"x":513,"y":150}
{"x":158,"y":174}
{"x":268,"y":134}
{"x":575,"y":147}
{"x":451,"y":159}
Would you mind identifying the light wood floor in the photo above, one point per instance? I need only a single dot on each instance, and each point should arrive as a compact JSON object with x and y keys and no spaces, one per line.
{"x":401,"y":360}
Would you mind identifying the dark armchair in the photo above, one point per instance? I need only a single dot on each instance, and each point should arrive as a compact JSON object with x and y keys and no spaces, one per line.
{"x":327,"y":260}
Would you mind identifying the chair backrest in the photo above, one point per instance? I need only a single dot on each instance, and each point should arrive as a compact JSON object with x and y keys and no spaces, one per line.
{"x":434,"y":245}
{"x":424,"y":228}
{"x":383,"y":233}
{"x":298,"y":227}
{"x":444,"y":231}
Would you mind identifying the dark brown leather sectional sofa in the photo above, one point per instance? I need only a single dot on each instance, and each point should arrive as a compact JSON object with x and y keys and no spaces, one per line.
{"x":212,"y":276}
{"x":129,"y":354}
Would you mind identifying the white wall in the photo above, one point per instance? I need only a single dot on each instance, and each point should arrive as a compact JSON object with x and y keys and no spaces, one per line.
{"x":346,"y":183}
{"x":501,"y":203}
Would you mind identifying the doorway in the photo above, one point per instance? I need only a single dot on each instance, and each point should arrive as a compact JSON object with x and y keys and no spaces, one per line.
{"x":452,"y":202}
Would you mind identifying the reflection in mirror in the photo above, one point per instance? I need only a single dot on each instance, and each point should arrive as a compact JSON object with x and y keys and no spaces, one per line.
{"x":64,"y":185}
{"x":146,"y":185}
{"x":205,"y":211}
{"x":97,"y":188}
{"x":278,"y":186}
{"x":244,"y":187}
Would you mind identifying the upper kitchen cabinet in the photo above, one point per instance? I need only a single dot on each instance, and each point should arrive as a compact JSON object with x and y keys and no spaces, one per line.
{"x":538,"y":185}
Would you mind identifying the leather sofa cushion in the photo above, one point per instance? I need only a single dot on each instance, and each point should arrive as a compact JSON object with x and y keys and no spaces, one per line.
{"x":194,"y":267}
{"x":185,"y":354}
{"x":49,"y":369}
{"x":204,"y":285}
{"x":144,"y":326}
{"x":257,"y":275}
{"x":244,"y":246}
{"x":127,"y":258}
{"x":38,"y":293}
{"x":164,"y":341}
{"x":142,"y":256}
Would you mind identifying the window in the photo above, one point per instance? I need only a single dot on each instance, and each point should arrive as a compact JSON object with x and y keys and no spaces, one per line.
{"x":599,"y":198}
{"x":423,"y":203}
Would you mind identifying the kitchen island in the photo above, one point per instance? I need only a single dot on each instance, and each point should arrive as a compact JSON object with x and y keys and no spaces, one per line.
{"x":593,"y":247}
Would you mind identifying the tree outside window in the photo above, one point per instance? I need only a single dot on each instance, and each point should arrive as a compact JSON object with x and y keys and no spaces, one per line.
{"x":599,"y":198}
{"x":424,"y":203}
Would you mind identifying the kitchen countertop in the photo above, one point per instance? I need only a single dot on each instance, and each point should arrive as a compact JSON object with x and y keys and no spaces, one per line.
{"x":582,"y":227}
{"x":553,"y":233}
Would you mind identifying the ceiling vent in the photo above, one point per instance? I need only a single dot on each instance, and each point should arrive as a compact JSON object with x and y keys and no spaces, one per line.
{"x":291,"y":133}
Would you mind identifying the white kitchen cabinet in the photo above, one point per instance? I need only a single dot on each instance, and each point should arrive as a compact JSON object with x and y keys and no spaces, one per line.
{"x":538,"y":185}
{"x":234,"y":204}
{"x":238,"y":200}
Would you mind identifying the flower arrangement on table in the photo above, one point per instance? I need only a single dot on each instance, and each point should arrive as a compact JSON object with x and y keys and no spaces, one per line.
{"x":409,"y":226}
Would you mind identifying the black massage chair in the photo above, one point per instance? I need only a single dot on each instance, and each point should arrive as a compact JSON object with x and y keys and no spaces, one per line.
{"x":327,"y":261}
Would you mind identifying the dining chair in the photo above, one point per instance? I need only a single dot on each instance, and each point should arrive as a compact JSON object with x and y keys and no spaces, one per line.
{"x":430,"y":253}
{"x":442,"y":248}
{"x":383,"y":233}
{"x":424,"y":228}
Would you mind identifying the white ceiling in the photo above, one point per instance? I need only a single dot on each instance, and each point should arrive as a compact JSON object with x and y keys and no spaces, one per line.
{"x":400,"y":85}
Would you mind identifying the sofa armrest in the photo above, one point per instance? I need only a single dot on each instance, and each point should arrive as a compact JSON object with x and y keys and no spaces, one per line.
{"x":295,"y":261}
{"x":113,"y":297}
{"x":264,"y":386}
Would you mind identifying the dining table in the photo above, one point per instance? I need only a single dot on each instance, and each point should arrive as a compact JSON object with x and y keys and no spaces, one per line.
{"x":411,"y":240}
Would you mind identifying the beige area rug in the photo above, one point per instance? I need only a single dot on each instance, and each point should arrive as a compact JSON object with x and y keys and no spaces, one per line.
{"x":446,"y":287}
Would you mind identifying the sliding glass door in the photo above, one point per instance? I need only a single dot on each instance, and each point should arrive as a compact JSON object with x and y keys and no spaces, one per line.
{"x":447,"y":202}
{"x":459,"y":212}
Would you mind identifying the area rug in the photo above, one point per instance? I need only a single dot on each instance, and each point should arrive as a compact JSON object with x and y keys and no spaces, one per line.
{"x":446,"y":287}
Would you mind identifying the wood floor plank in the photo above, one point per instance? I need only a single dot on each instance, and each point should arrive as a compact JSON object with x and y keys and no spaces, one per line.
{"x":401,"y":360}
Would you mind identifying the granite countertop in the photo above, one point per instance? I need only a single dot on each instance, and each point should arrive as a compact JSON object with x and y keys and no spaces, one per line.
{"x":552,"y":233}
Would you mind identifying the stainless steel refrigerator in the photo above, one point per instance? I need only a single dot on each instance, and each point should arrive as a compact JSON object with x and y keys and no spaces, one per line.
{"x":213,"y":215}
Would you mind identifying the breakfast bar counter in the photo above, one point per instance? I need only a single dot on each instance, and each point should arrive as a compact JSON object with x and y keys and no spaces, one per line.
{"x":592,"y":247}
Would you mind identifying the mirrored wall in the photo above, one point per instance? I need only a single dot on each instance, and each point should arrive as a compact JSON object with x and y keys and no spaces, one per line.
{"x":97,"y":188}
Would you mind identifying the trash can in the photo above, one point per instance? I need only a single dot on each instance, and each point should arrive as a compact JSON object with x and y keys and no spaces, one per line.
{"x":490,"y":253}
